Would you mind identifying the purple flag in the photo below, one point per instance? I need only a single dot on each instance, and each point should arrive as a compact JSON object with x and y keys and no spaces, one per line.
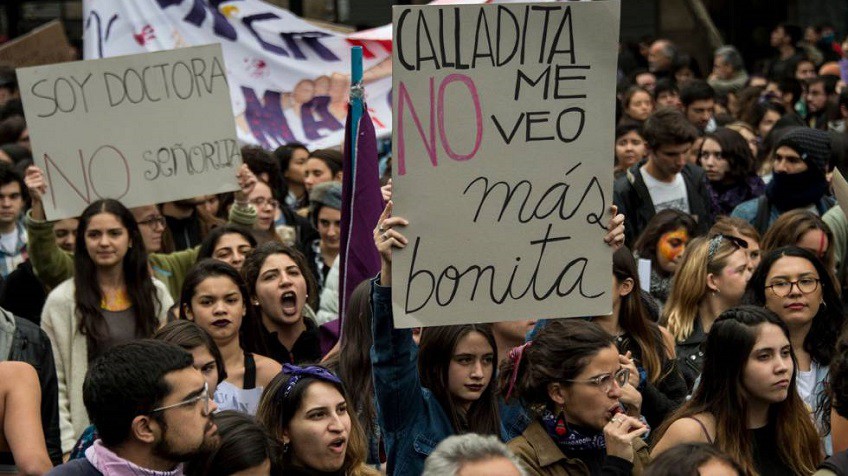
{"x":362,"y":204}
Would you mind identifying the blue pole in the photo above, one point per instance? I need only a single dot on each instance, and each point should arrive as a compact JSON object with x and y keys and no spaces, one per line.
{"x":356,"y":95}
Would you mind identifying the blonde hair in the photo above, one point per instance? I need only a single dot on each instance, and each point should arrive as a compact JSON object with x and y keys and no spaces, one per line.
{"x":689,"y":285}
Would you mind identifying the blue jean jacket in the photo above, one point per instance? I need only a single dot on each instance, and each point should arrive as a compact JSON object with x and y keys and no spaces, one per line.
{"x":413,"y":422}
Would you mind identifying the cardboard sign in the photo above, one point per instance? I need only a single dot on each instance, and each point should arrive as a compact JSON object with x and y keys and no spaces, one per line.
{"x":502,"y":118}
{"x":46,"y":44}
{"x":142,"y":129}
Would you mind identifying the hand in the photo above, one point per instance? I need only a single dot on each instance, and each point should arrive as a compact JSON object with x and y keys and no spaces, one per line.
{"x":246,"y":181}
{"x":387,"y":237}
{"x":615,"y":235}
{"x":386,"y":190}
{"x":631,"y":399}
{"x":37,"y":187}
{"x":628,"y":362}
{"x":619,"y":434}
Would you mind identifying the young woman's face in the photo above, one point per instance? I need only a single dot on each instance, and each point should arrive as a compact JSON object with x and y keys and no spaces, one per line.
{"x":629,"y":149}
{"x":796,"y":308}
{"x":751,"y":139}
{"x":712,"y":160}
{"x":769,"y":367}
{"x":753,"y":251}
{"x":670,"y":248}
{"x":588,"y":405}
{"x":106,"y":240}
{"x":730,"y":284}
{"x":281,"y":290}
{"x":316,"y":172}
{"x":65,"y":232}
{"x":641,"y":106}
{"x":470,"y":369}
{"x":329,"y":228}
{"x":205,"y":363}
{"x":232,"y":248}
{"x":266,"y":207}
{"x":217,"y":306}
{"x":767,"y":122}
{"x":297,"y":166}
{"x":320,"y":429}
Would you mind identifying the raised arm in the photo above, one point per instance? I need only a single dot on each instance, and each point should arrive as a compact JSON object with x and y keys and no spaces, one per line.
{"x":51,"y":263}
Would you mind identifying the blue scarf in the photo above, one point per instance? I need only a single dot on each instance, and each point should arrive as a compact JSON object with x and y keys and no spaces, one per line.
{"x":575,"y":439}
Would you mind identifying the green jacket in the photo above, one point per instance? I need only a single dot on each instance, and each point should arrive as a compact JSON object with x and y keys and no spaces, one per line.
{"x":53,"y":265}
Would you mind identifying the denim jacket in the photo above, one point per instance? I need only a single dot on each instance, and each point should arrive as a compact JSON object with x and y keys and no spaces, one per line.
{"x":412,"y":420}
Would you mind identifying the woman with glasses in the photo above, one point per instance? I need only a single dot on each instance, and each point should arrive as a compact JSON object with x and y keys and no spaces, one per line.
{"x":746,"y":403}
{"x":111,"y":299}
{"x":729,"y":166}
{"x":794,"y":284}
{"x":571,"y":377}
{"x":711,"y":278}
{"x":262,"y":199}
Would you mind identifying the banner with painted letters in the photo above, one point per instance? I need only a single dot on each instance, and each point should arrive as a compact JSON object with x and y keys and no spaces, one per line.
{"x":501,"y":150}
{"x":289,"y":79}
{"x":142,"y":129}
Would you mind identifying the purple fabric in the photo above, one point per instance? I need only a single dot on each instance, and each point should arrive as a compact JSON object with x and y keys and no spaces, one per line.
{"x":328,"y":335}
{"x":724,"y":199}
{"x":362,"y":204}
{"x":111,"y":464}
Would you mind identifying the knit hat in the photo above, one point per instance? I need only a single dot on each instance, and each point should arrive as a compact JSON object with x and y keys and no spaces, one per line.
{"x":812,"y":145}
{"x":328,"y":194}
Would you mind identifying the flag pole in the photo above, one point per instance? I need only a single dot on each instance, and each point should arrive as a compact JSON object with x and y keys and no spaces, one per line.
{"x":356,"y":96}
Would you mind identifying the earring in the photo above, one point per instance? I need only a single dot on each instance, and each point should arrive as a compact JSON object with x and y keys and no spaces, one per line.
{"x":286,"y":447}
{"x":823,"y":305}
{"x":561,"y":428}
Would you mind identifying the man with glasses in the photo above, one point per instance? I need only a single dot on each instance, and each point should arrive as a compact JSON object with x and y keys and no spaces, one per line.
{"x":152,"y":412}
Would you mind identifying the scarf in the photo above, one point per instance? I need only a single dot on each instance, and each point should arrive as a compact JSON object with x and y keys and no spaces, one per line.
{"x":111,"y":464}
{"x":724,"y":198}
{"x":660,"y":286}
{"x":790,"y":191}
{"x":575,"y":439}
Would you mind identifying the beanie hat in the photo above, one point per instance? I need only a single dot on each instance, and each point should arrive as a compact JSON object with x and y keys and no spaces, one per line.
{"x":328,"y":194}
{"x":812,"y":145}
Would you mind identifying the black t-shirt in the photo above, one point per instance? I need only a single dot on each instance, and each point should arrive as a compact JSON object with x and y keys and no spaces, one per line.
{"x":306,"y":349}
{"x":766,"y":455}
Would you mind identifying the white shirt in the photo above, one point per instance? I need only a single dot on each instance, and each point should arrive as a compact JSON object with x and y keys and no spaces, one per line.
{"x":667,"y":195}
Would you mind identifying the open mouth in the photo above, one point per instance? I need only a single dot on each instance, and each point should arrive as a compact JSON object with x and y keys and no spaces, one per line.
{"x":289,"y":302}
{"x":338,"y":445}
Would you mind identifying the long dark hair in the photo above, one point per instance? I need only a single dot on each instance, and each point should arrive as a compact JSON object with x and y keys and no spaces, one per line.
{"x":250,"y":329}
{"x":245,"y":444}
{"x":633,"y":318}
{"x":139,"y":285}
{"x":353,"y":362}
{"x":435,"y":353}
{"x":721,"y":394}
{"x":827,"y":324}
{"x":253,"y":263}
{"x":189,"y":336}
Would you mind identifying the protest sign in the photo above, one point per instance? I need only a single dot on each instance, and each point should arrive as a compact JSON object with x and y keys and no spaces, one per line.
{"x":289,"y":79}
{"x":502,"y":160}
{"x":46,"y":44}
{"x":141,"y":129}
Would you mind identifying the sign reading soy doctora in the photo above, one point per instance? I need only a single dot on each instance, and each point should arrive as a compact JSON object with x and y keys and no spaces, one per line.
{"x":503,"y":118}
{"x":142,"y":129}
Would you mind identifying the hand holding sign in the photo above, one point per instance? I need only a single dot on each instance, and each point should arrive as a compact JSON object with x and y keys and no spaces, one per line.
{"x":387,"y":237}
{"x":37,"y":187}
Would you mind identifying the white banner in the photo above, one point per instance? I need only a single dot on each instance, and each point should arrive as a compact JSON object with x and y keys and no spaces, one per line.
{"x":289,"y":79}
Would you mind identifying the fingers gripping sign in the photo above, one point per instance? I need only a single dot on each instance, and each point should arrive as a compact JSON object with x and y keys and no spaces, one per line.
{"x":386,"y":237}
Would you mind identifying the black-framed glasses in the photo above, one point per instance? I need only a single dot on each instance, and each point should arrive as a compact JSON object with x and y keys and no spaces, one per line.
{"x":203,"y":397}
{"x":604,"y":382}
{"x":152,"y":222}
{"x":784,"y":288}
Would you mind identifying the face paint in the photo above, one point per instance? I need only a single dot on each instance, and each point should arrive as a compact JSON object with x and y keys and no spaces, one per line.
{"x":672,"y":244}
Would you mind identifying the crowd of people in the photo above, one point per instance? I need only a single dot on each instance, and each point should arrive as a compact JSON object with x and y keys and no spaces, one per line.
{"x":203,"y":336}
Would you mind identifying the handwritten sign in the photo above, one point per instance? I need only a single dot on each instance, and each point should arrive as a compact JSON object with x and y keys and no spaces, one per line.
{"x":46,"y":44}
{"x":142,"y":129}
{"x":502,"y":118}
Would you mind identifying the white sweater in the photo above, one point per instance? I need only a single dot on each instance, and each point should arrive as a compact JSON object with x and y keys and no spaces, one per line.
{"x":70,"y":351}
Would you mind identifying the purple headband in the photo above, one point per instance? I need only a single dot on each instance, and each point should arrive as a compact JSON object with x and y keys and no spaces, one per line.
{"x":313,"y":371}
